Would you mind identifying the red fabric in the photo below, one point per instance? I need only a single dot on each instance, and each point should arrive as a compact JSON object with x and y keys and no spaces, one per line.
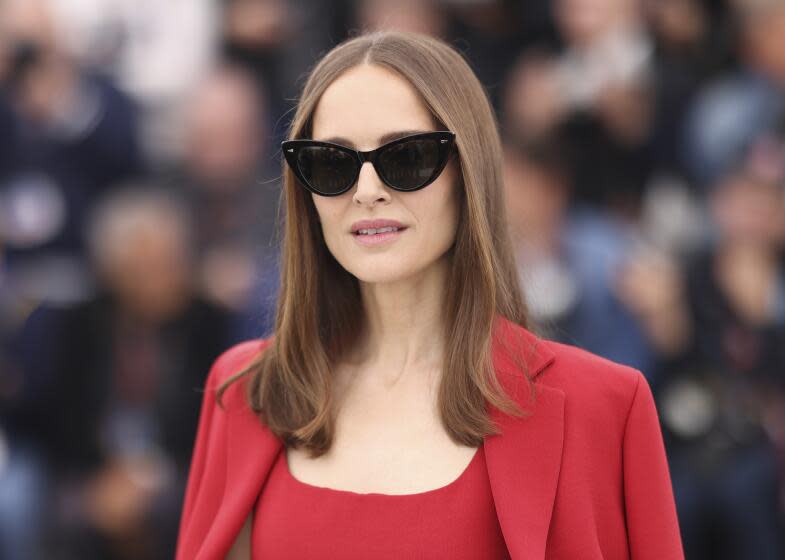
{"x":295,"y":520}
{"x":583,"y":475}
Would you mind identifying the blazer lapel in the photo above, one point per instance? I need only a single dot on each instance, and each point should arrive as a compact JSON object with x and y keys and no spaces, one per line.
{"x":524,"y":459}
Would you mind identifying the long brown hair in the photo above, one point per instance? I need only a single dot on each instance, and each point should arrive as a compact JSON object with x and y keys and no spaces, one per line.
{"x":319,"y":312}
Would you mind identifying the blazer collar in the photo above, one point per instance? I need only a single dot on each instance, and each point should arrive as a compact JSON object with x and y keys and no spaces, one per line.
{"x":523,"y":460}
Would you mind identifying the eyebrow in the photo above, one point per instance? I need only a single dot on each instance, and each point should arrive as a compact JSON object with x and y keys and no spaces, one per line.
{"x":389,"y":137}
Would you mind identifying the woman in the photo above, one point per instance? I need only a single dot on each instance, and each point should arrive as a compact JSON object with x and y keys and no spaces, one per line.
{"x":402,"y":408}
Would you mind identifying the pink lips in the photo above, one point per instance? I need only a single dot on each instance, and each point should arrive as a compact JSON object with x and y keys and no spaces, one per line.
{"x":375,"y":224}
{"x":376,"y":238}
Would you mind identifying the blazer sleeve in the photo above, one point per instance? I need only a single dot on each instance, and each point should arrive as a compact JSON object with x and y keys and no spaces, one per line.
{"x":652,"y":523}
{"x":207,"y":474}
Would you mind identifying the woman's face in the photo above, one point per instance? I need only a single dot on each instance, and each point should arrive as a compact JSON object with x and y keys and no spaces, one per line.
{"x":365,"y":104}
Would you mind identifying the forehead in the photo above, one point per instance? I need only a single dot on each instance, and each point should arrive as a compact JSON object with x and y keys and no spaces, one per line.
{"x":366,"y":103}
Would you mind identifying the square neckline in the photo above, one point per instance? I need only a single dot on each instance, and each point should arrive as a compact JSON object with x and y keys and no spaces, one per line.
{"x":425,"y":493}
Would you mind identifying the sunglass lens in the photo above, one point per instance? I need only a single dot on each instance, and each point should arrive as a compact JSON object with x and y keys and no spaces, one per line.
{"x":326,"y":169}
{"x":410,"y":164}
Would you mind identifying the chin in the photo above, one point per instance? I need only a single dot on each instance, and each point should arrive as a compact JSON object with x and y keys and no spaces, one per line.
{"x":380,"y":268}
{"x":376,"y":272}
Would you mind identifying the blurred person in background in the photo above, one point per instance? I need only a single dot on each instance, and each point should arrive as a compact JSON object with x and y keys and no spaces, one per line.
{"x":120,"y":396}
{"x":568,"y":255}
{"x":492,"y":33}
{"x":693,"y":42}
{"x":718,"y":322}
{"x":154,"y":51}
{"x":733,"y":109}
{"x":23,"y":477}
{"x":223,"y":175}
{"x":277,"y":40}
{"x":596,"y":92}
{"x":568,"y":251}
{"x":66,"y":136}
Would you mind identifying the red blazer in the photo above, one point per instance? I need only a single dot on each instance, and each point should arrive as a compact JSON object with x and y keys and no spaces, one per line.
{"x":584,"y":477}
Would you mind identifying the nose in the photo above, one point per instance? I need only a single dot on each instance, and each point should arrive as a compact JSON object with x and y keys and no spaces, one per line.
{"x":370,"y":187}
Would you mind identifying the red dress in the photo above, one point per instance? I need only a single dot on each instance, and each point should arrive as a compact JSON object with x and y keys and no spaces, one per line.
{"x":293,"y":519}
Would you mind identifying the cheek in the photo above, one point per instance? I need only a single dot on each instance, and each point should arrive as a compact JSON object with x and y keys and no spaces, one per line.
{"x":327,"y":209}
{"x":328,"y":213}
{"x":438,"y":219}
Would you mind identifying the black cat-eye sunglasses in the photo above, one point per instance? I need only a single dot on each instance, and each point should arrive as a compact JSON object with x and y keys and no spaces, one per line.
{"x":405,"y":164}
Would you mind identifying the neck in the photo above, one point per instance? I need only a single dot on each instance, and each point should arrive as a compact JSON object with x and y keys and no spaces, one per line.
{"x":404,"y":323}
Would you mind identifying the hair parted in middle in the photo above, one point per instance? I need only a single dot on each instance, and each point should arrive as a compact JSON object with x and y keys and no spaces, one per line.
{"x":319,"y":313}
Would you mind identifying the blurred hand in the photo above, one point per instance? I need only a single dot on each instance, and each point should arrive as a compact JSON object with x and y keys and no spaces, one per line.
{"x":626,"y":111}
{"x":119,"y":496}
{"x":536,"y":102}
{"x":648,"y":282}
{"x":651,"y":286}
{"x":749,"y":274}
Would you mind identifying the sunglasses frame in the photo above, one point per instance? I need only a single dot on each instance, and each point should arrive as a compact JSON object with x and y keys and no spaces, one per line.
{"x":446,"y":147}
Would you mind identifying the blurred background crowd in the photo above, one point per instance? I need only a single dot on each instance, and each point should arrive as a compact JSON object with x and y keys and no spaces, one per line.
{"x":139,"y":181}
